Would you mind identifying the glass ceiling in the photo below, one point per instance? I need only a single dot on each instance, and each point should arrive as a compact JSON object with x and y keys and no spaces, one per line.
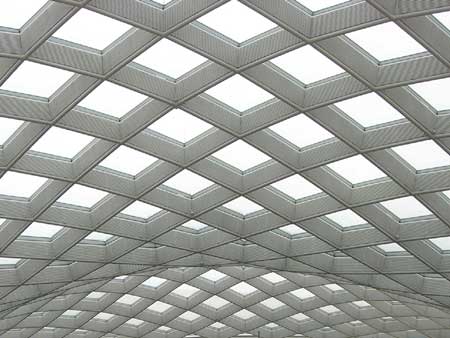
{"x":248,"y":168}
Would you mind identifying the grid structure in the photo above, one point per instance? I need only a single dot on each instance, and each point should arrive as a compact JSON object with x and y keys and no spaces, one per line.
{"x":284,"y":177}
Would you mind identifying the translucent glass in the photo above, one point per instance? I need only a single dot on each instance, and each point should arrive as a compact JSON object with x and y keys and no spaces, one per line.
{"x":188,"y":182}
{"x":391,"y":247}
{"x":82,"y":196}
{"x":272,"y":303}
{"x":128,"y":299}
{"x":37,"y":229}
{"x":100,"y":237}
{"x":292,"y":229}
{"x":346,"y":218}
{"x":243,"y":288}
{"x":241,"y":155}
{"x":243,"y":206}
{"x":423,"y":155}
{"x":296,"y":187}
{"x":406,"y":207}
{"x":185,"y":291}
{"x":128,"y":160}
{"x":20,"y":185}
{"x":434,"y":92}
{"x":213,"y":275}
{"x":216,"y":302}
{"x":273,"y":278}
{"x":356,"y":169}
{"x":302,"y":293}
{"x":140,"y":209}
{"x":159,"y":307}
{"x":244,"y":314}
{"x":7,"y":128}
{"x":154,"y":282}
{"x":195,"y":225}
{"x":15,"y":13}
{"x":442,"y":243}
{"x":316,"y":5}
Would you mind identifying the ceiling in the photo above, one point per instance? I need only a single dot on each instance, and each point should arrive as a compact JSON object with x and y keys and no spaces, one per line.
{"x":211,"y":168}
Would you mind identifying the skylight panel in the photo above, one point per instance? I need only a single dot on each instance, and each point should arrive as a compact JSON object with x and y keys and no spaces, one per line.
{"x":385,"y":41}
{"x":243,"y":206}
{"x":188,"y":182}
{"x":241,"y":155}
{"x":330,"y":309}
{"x":62,"y":142}
{"x":194,"y":225}
{"x":185,"y":290}
{"x":317,"y":5}
{"x":244,"y":314}
{"x":297,"y":187}
{"x":346,"y":218}
{"x":9,"y":261}
{"x":28,"y":79}
{"x":95,"y":295}
{"x":423,"y":155}
{"x":292,"y":229}
{"x":169,"y":58}
{"x":273,"y":278}
{"x":406,"y":207}
{"x":442,"y":243}
{"x":20,"y":185}
{"x":37,"y":229}
{"x":443,"y":18}
{"x":15,"y":13}
{"x":100,"y":237}
{"x":180,"y":126}
{"x":154,"y":282}
{"x":299,"y":317}
{"x":82,"y":196}
{"x":391,"y":247}
{"x":302,"y":294}
{"x":272,"y":303}
{"x":71,"y":313}
{"x":213,"y":275}
{"x":159,"y":307}
{"x":104,"y":316}
{"x":333,"y":287}
{"x":141,"y":210}
{"x":189,"y":316}
{"x":244,"y":288}
{"x":162,"y":2}
{"x":216,"y":302}
{"x":271,"y":325}
{"x":128,"y":160}
{"x":369,"y":110}
{"x":128,"y":299}
{"x":307,"y":65}
{"x":434,"y":92}
{"x":111,"y":99}
{"x":239,"y":93}
{"x":246,"y":23}
{"x":134,"y":322}
{"x":361,"y":303}
{"x":164,"y":328}
{"x":91,"y":29}
{"x":356,"y":169}
{"x":217,"y":325}
{"x":7,"y":128}
{"x":301,"y":131}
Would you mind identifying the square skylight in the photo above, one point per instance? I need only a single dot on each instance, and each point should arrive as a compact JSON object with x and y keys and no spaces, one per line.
{"x":128,"y":299}
{"x":194,"y":225}
{"x":301,"y":131}
{"x":299,"y":317}
{"x":239,"y":93}
{"x":246,"y":23}
{"x":273,"y":278}
{"x":369,"y":110}
{"x":302,"y":293}
{"x":297,"y":187}
{"x":9,"y":261}
{"x":333,"y":287}
{"x":82,"y":196}
{"x":272,"y":303}
{"x":346,"y":218}
{"x":406,"y":207}
{"x":188,"y":182}
{"x":91,"y":29}
{"x":20,"y":185}
{"x":442,"y":243}
{"x":180,"y":126}
{"x":243,"y":206}
{"x":62,"y":142}
{"x":71,"y":313}
{"x":361,"y":303}
{"x":154,"y":282}
{"x":95,"y":295}
{"x":169,"y":58}
{"x":213,"y":275}
{"x":244,"y":314}
{"x":292,"y":229}
{"x":216,"y":302}
{"x":7,"y":128}
{"x":111,"y":99}
{"x":356,"y":169}
{"x":134,"y":322}
{"x":15,"y":13}
{"x":386,"y":41}
{"x":104,"y":316}
{"x":307,"y":65}
{"x":128,"y":160}
{"x":330,"y":309}
{"x":27,"y":79}
{"x":423,"y":155}
{"x":244,"y":288}
{"x":271,"y":325}
{"x":434,"y":93}
{"x":241,"y":155}
{"x":185,"y":290}
{"x":390,"y":247}
{"x":37,"y":229}
{"x":189,"y":316}
{"x":99,"y":237}
{"x":140,"y":209}
{"x":159,"y":307}
{"x":164,"y":328}
{"x":443,"y":18}
{"x":217,"y":325}
{"x":317,"y":5}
